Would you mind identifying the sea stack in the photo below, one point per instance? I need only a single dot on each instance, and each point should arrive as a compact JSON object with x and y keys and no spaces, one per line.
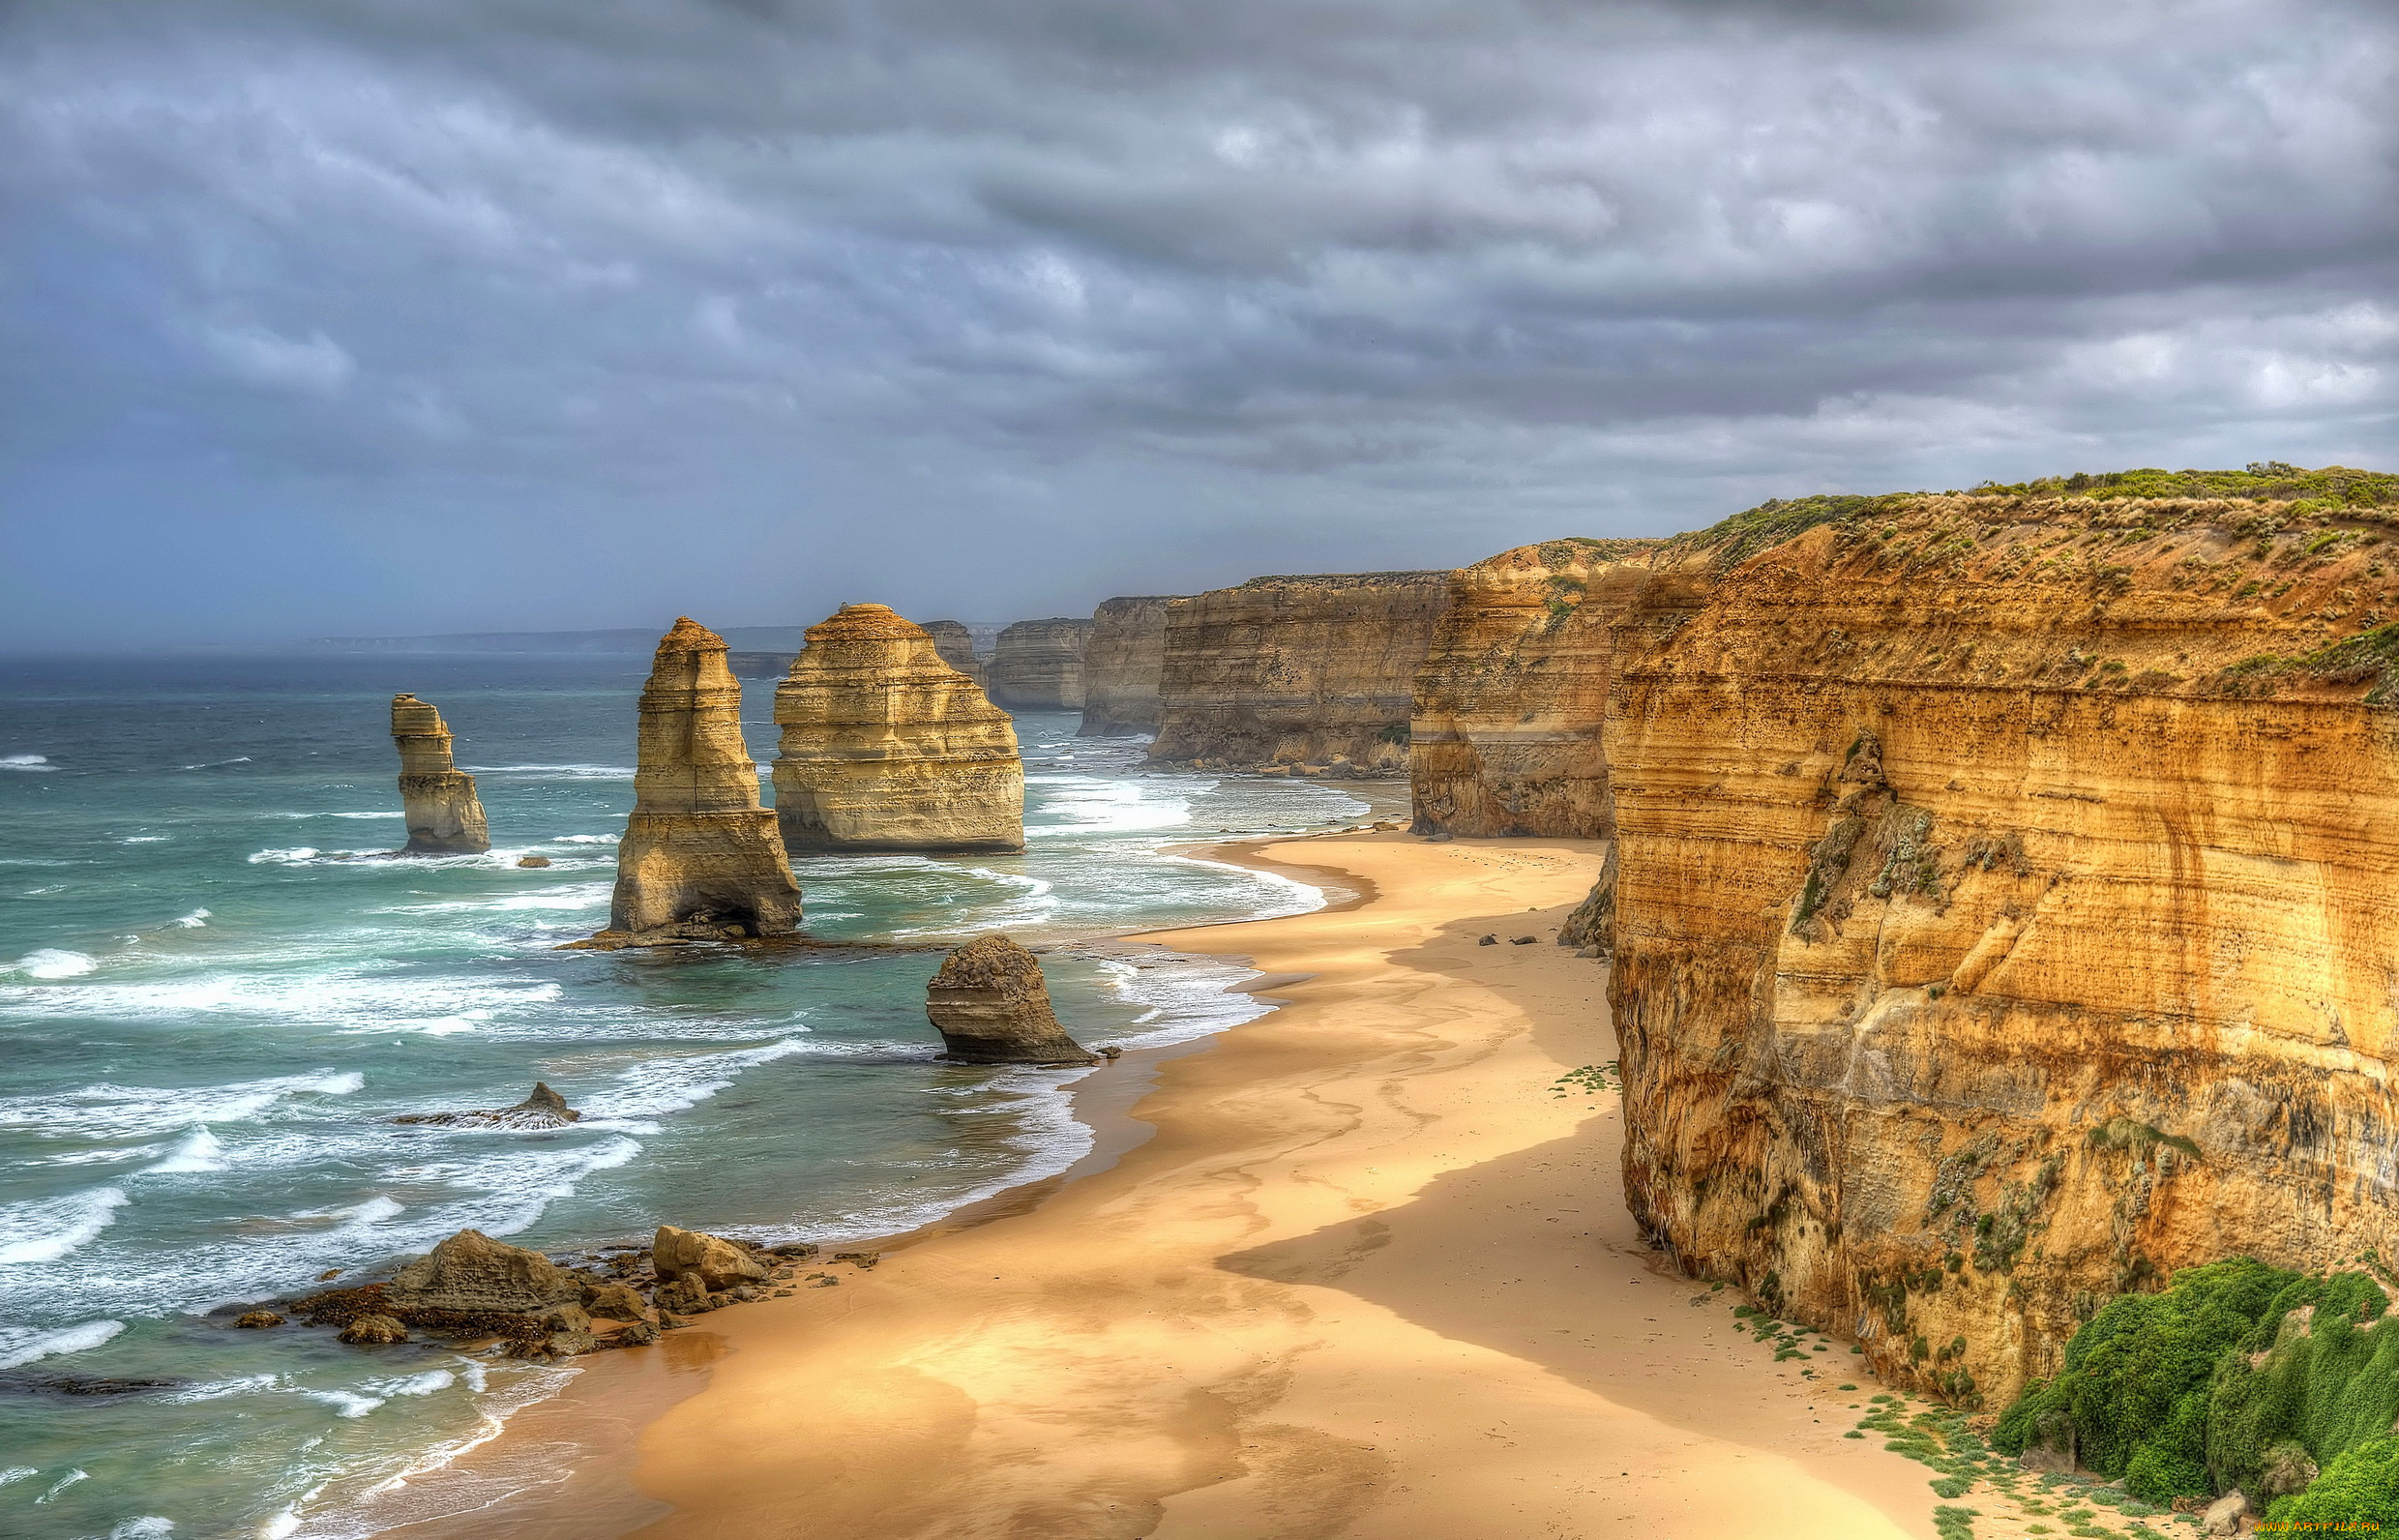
{"x":1037,"y":665}
{"x":955,"y":644}
{"x":444,"y":815}
{"x":993,"y":1007}
{"x":887,"y":747}
{"x":700,"y":859}
{"x":1122,"y":664}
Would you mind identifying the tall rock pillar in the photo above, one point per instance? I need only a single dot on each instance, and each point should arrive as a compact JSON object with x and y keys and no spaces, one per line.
{"x":700,"y":858}
{"x":444,"y":815}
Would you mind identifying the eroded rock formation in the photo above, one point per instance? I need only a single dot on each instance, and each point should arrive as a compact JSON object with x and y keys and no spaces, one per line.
{"x":992,"y":1006}
{"x":1298,"y":671}
{"x":544,"y":1109}
{"x":1037,"y":665}
{"x":1123,"y":666}
{"x":955,"y":644}
{"x":712,"y":1260}
{"x":472,"y":1273}
{"x":2008,"y":895}
{"x":886,"y":747}
{"x":445,"y":817}
{"x":1509,"y":704}
{"x":700,"y":859}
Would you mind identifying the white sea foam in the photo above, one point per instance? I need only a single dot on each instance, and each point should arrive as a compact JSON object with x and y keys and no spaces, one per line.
{"x":63,"y":1483}
{"x":211,"y":764}
{"x":149,"y":1527}
{"x":420,"y":1384}
{"x":194,"y":921}
{"x":219,"y":1390}
{"x":54,"y":963}
{"x":145,"y":839}
{"x":25,"y":762}
{"x":587,"y":839}
{"x":292,"y":855}
{"x":199,"y":1151}
{"x":656,"y":1086}
{"x":1082,"y":805}
{"x":349,"y":1404}
{"x":43,"y":1230}
{"x":16,"y":1473}
{"x":557,"y":772}
{"x":21,"y":1345}
{"x":131,"y":1112}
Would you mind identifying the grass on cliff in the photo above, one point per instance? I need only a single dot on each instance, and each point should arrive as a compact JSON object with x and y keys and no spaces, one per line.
{"x":2238,"y":1376}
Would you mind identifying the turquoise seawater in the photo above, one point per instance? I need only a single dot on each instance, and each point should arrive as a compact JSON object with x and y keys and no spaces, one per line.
{"x":211,"y":1008}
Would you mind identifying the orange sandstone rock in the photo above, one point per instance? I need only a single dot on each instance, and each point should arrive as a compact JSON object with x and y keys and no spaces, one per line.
{"x":445,"y":817}
{"x":1122,"y":668}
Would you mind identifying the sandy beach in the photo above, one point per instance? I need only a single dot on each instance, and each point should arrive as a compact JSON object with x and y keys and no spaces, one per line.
{"x":1371,"y":1277}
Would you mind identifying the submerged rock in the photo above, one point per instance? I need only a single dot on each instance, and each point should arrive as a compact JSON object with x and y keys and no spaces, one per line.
{"x":544,"y":1109}
{"x":375,"y":1331}
{"x":701,"y":858}
{"x":712,"y":1260}
{"x":445,"y":817}
{"x":471,"y":1273}
{"x":259,"y":1319}
{"x":992,"y":1006}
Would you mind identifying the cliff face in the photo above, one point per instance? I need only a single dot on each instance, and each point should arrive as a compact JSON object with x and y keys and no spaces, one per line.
{"x":445,"y":817}
{"x":1037,"y":665}
{"x":1123,"y":666}
{"x":1298,"y":671}
{"x":2007,"y":910}
{"x":700,"y":858}
{"x":886,"y":747}
{"x":1513,"y":693}
{"x":955,"y":644}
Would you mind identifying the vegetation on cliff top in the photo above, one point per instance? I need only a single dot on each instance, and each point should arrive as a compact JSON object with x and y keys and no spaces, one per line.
{"x":2238,"y":1376}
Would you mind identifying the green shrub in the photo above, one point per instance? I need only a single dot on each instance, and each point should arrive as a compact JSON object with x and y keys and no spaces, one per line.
{"x":2361,"y":1486}
{"x":2327,"y":1384}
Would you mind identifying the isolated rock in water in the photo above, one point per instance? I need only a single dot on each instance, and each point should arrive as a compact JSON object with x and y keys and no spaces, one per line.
{"x":955,"y":644}
{"x":375,"y":1331}
{"x":711,"y":1260}
{"x":1122,"y":663}
{"x":993,"y":1007}
{"x":613,"y":1302}
{"x":887,"y":747}
{"x":259,"y":1318}
{"x":471,"y":1272}
{"x":544,"y":1109}
{"x":1037,"y":665}
{"x":701,"y":859}
{"x":444,"y":815}
{"x":533,"y":860}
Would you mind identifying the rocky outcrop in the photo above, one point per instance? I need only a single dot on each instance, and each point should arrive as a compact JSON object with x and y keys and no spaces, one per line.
{"x":470,"y":1272}
{"x":886,"y":747}
{"x":2008,"y":892}
{"x":700,"y":859}
{"x":1298,"y":671}
{"x":544,"y":1109}
{"x":445,"y":817}
{"x":991,"y":1006}
{"x":1037,"y":665}
{"x":1509,"y":704}
{"x":955,"y":644}
{"x":711,"y":1260}
{"x":1122,"y":668}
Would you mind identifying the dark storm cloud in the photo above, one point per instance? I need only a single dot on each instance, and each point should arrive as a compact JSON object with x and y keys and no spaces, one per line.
{"x":328,"y":316}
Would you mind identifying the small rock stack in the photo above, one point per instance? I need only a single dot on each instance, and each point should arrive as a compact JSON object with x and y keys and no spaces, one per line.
{"x":991,"y":1006}
{"x":445,"y":817}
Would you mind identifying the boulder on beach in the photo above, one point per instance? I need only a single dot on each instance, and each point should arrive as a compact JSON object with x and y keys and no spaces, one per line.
{"x":613,"y":1302}
{"x":472,"y":1273}
{"x":710,"y":1261}
{"x":544,"y":1109}
{"x":992,"y":1006}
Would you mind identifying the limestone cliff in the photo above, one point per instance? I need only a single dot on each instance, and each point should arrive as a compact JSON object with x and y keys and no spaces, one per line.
{"x":1037,"y":665}
{"x":1505,"y":737}
{"x":2008,"y":902}
{"x":444,"y":815}
{"x":886,"y":747}
{"x":700,"y":858}
{"x":991,"y":1006}
{"x":1298,"y":671}
{"x":1122,"y":666}
{"x":955,"y":644}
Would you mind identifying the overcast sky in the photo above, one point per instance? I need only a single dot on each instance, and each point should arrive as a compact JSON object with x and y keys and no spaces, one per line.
{"x":383,"y":316}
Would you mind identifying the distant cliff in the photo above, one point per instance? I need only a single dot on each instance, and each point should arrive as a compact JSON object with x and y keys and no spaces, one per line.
{"x":1298,"y":671}
{"x":954,"y":642}
{"x":1123,"y":666}
{"x":2007,"y":902}
{"x":1037,"y":665}
{"x":1509,"y":704}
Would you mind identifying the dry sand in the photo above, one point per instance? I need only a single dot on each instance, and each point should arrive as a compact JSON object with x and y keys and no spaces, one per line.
{"x":1371,"y":1278}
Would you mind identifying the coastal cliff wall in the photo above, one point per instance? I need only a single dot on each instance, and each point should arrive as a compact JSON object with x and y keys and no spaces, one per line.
{"x":2006,"y":906}
{"x":886,"y":747}
{"x":1037,"y":665}
{"x":1298,"y":671}
{"x":444,"y":814}
{"x":1510,"y":701}
{"x":955,"y":644}
{"x":1123,"y":666}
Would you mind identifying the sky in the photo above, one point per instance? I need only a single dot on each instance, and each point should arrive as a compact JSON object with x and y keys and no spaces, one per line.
{"x":402,"y":316}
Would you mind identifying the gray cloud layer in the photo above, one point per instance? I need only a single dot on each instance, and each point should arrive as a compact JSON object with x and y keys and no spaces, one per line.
{"x":371,"y":315}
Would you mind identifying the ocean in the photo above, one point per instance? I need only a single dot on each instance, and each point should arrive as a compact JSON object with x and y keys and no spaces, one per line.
{"x":213,"y":1004}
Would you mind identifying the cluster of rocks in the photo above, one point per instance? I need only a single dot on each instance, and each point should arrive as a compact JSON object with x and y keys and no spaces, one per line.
{"x":545,"y":1308}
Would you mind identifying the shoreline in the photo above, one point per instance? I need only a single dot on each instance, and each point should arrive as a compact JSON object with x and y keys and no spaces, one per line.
{"x":1338,"y":1288}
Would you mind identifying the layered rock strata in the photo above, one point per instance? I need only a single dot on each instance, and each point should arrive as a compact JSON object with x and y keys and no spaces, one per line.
{"x":445,"y":817}
{"x":1504,"y":737}
{"x":886,"y":747}
{"x":991,"y":1006}
{"x":700,"y":859}
{"x":1297,"y":672}
{"x":2009,"y":895}
{"x":955,"y":644}
{"x":1122,"y":668}
{"x":1037,"y":665}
